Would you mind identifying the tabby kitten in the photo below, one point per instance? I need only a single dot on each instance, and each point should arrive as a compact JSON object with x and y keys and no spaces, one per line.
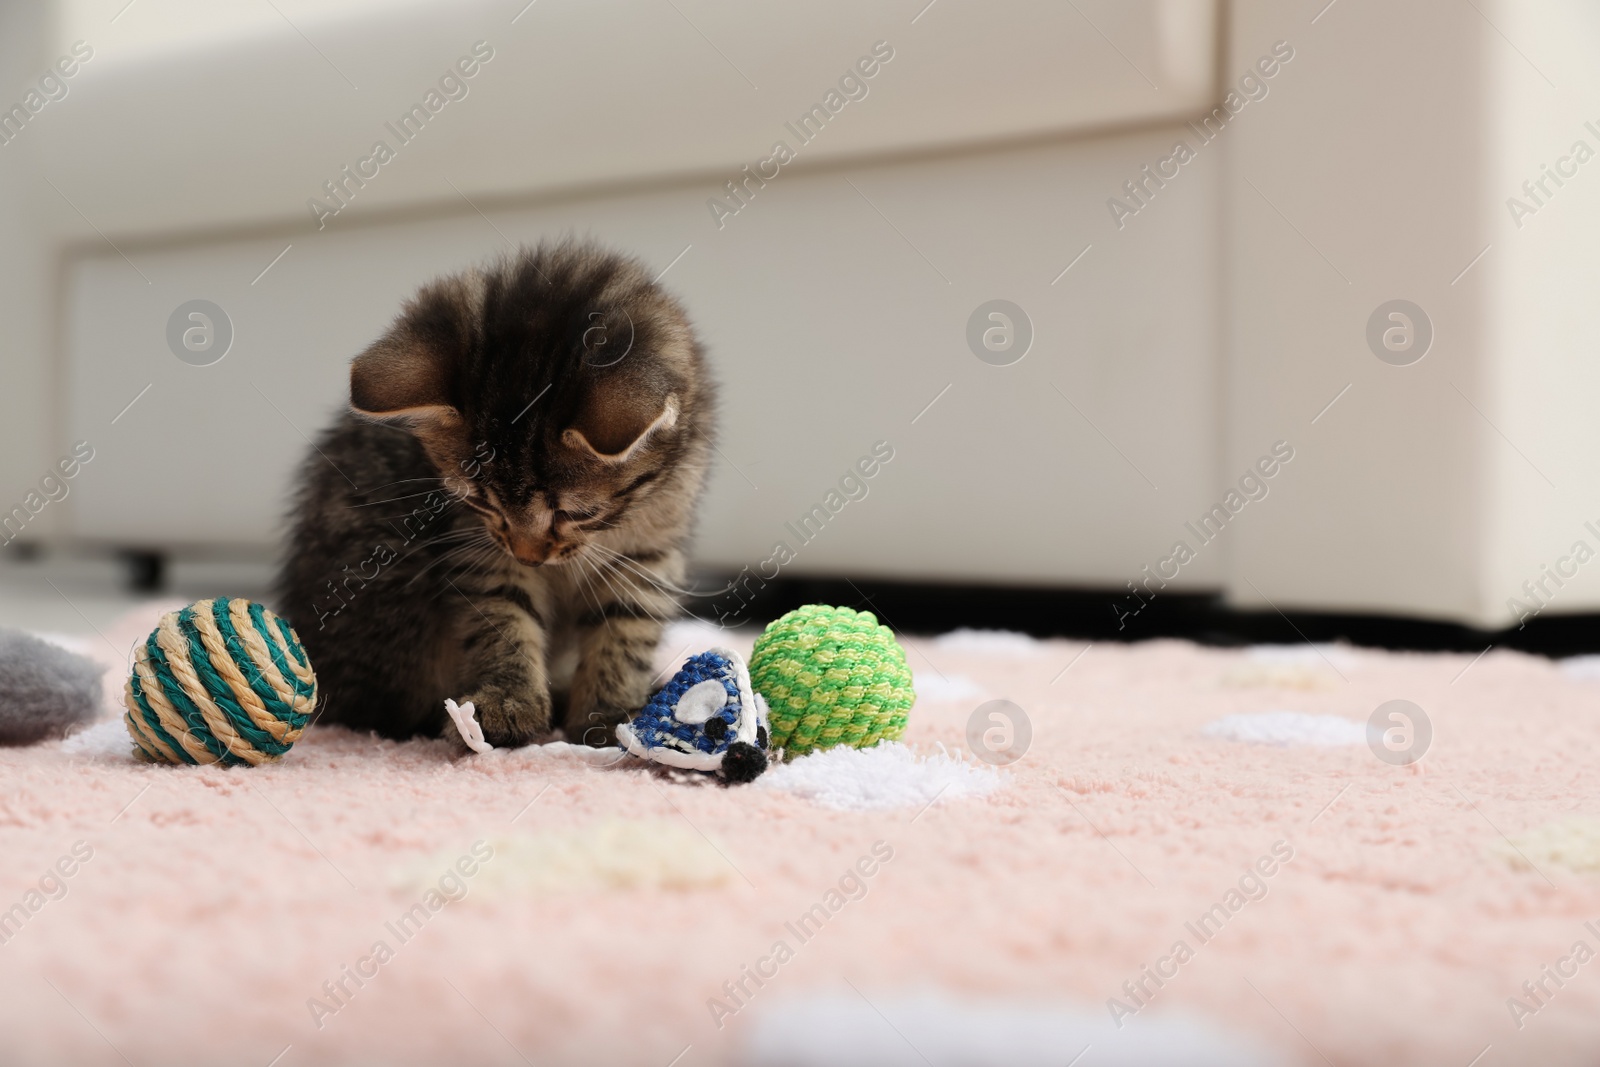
{"x":501,"y":516}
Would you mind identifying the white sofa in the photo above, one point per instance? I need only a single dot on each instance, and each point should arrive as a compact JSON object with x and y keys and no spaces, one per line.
{"x":1176,"y":339}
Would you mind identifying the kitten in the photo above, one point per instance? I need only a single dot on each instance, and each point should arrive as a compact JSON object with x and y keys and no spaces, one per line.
{"x":501,"y":517}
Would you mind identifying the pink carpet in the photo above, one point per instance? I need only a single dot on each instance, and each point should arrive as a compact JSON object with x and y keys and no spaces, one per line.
{"x":614,"y":904}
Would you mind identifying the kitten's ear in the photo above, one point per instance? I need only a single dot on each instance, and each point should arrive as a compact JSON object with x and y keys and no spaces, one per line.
{"x":394,"y":380}
{"x":407,"y":372}
{"x":615,"y":423}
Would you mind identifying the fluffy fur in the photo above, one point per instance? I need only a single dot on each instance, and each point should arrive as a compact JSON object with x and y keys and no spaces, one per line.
{"x":501,"y":517}
{"x":44,"y":690}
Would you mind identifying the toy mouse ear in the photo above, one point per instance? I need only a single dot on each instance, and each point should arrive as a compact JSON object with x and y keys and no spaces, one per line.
{"x":408,"y":372}
{"x":700,"y":702}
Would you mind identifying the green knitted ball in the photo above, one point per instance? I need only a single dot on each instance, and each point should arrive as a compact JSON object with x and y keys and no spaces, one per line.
{"x":831,"y":676}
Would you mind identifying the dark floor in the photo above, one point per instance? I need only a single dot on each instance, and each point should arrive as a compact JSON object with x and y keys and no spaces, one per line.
{"x":1090,"y":614}
{"x":1105,"y":615}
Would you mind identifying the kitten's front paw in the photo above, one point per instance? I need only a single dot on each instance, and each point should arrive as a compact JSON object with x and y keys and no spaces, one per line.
{"x":508,"y":721}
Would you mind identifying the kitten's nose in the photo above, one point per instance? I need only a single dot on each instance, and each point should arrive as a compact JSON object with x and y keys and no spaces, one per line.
{"x":530,"y":549}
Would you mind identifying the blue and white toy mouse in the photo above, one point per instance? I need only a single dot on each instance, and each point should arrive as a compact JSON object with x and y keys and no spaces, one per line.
{"x":707,"y":718}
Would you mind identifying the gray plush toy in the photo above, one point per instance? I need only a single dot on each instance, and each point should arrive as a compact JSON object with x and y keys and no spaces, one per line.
{"x":44,"y":690}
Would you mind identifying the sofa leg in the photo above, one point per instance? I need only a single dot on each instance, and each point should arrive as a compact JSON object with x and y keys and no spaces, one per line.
{"x":146,"y":570}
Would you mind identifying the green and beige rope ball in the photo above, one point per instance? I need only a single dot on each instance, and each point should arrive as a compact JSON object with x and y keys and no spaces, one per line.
{"x":831,"y":676}
{"x":222,"y":681}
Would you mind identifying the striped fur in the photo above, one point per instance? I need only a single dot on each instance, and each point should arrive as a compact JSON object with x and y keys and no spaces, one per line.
{"x":502,"y":516}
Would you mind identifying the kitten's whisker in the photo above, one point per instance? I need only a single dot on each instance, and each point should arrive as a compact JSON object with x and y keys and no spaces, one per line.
{"x":449,"y":538}
{"x":609,"y":560}
{"x":443,"y":539}
{"x":659,"y":616}
{"x":482,"y":557}
{"x":616,"y":594}
{"x":599,"y":575}
{"x":584,"y":587}
{"x":661,"y":585}
{"x":475,"y":530}
{"x":408,"y":514}
{"x":465,"y":566}
{"x":434,"y":545}
{"x":455,"y":552}
{"x":393,"y":499}
{"x":403,"y":481}
{"x":447,"y":547}
{"x":660,"y":582}
{"x":648,"y":581}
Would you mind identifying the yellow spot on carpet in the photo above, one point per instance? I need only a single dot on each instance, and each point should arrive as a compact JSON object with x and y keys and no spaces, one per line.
{"x":1571,"y":843}
{"x":614,"y":854}
{"x":1281,"y":676}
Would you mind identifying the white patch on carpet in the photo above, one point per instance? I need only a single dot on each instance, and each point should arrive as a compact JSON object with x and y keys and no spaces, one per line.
{"x":887,"y":775}
{"x":1288,"y":728}
{"x":106,"y":739}
{"x":1571,"y":843}
{"x":990,"y":643}
{"x":1585,"y":668}
{"x":565,"y":750}
{"x":615,"y":854}
{"x":846,"y":1029}
{"x":951,"y":688}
